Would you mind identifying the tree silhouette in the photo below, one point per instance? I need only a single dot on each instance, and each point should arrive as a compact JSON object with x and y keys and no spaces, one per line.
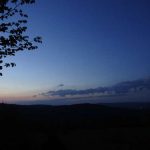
{"x":13,"y":27}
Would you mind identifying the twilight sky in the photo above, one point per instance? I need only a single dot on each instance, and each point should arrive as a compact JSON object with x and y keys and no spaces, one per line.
{"x":86,"y":44}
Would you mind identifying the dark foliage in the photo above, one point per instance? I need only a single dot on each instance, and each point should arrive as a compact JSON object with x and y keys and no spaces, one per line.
{"x":13,"y":27}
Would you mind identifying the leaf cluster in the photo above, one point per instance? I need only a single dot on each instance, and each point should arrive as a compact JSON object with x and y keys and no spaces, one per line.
{"x":13,"y":36}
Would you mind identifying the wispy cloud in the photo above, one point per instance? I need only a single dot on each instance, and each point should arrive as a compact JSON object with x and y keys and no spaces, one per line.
{"x":120,"y":88}
{"x":61,"y":85}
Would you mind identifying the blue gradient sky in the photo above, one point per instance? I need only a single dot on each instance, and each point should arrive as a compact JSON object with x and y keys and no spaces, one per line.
{"x":86,"y":43}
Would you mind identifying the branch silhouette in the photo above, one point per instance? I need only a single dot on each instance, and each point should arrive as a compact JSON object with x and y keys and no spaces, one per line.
{"x":13,"y":36}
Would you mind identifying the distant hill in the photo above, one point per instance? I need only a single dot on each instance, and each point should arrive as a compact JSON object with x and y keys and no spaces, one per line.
{"x":75,"y":116}
{"x":41,"y":127}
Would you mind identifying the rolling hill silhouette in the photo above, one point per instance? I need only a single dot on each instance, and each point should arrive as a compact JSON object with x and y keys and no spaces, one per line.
{"x":46,"y":127}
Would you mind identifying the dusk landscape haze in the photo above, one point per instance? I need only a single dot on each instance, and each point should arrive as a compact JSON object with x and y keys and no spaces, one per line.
{"x":75,"y":74}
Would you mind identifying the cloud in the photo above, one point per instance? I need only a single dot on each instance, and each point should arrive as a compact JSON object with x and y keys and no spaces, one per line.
{"x":61,"y":85}
{"x":70,"y":92}
{"x":136,"y":85}
{"x":120,"y":88}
